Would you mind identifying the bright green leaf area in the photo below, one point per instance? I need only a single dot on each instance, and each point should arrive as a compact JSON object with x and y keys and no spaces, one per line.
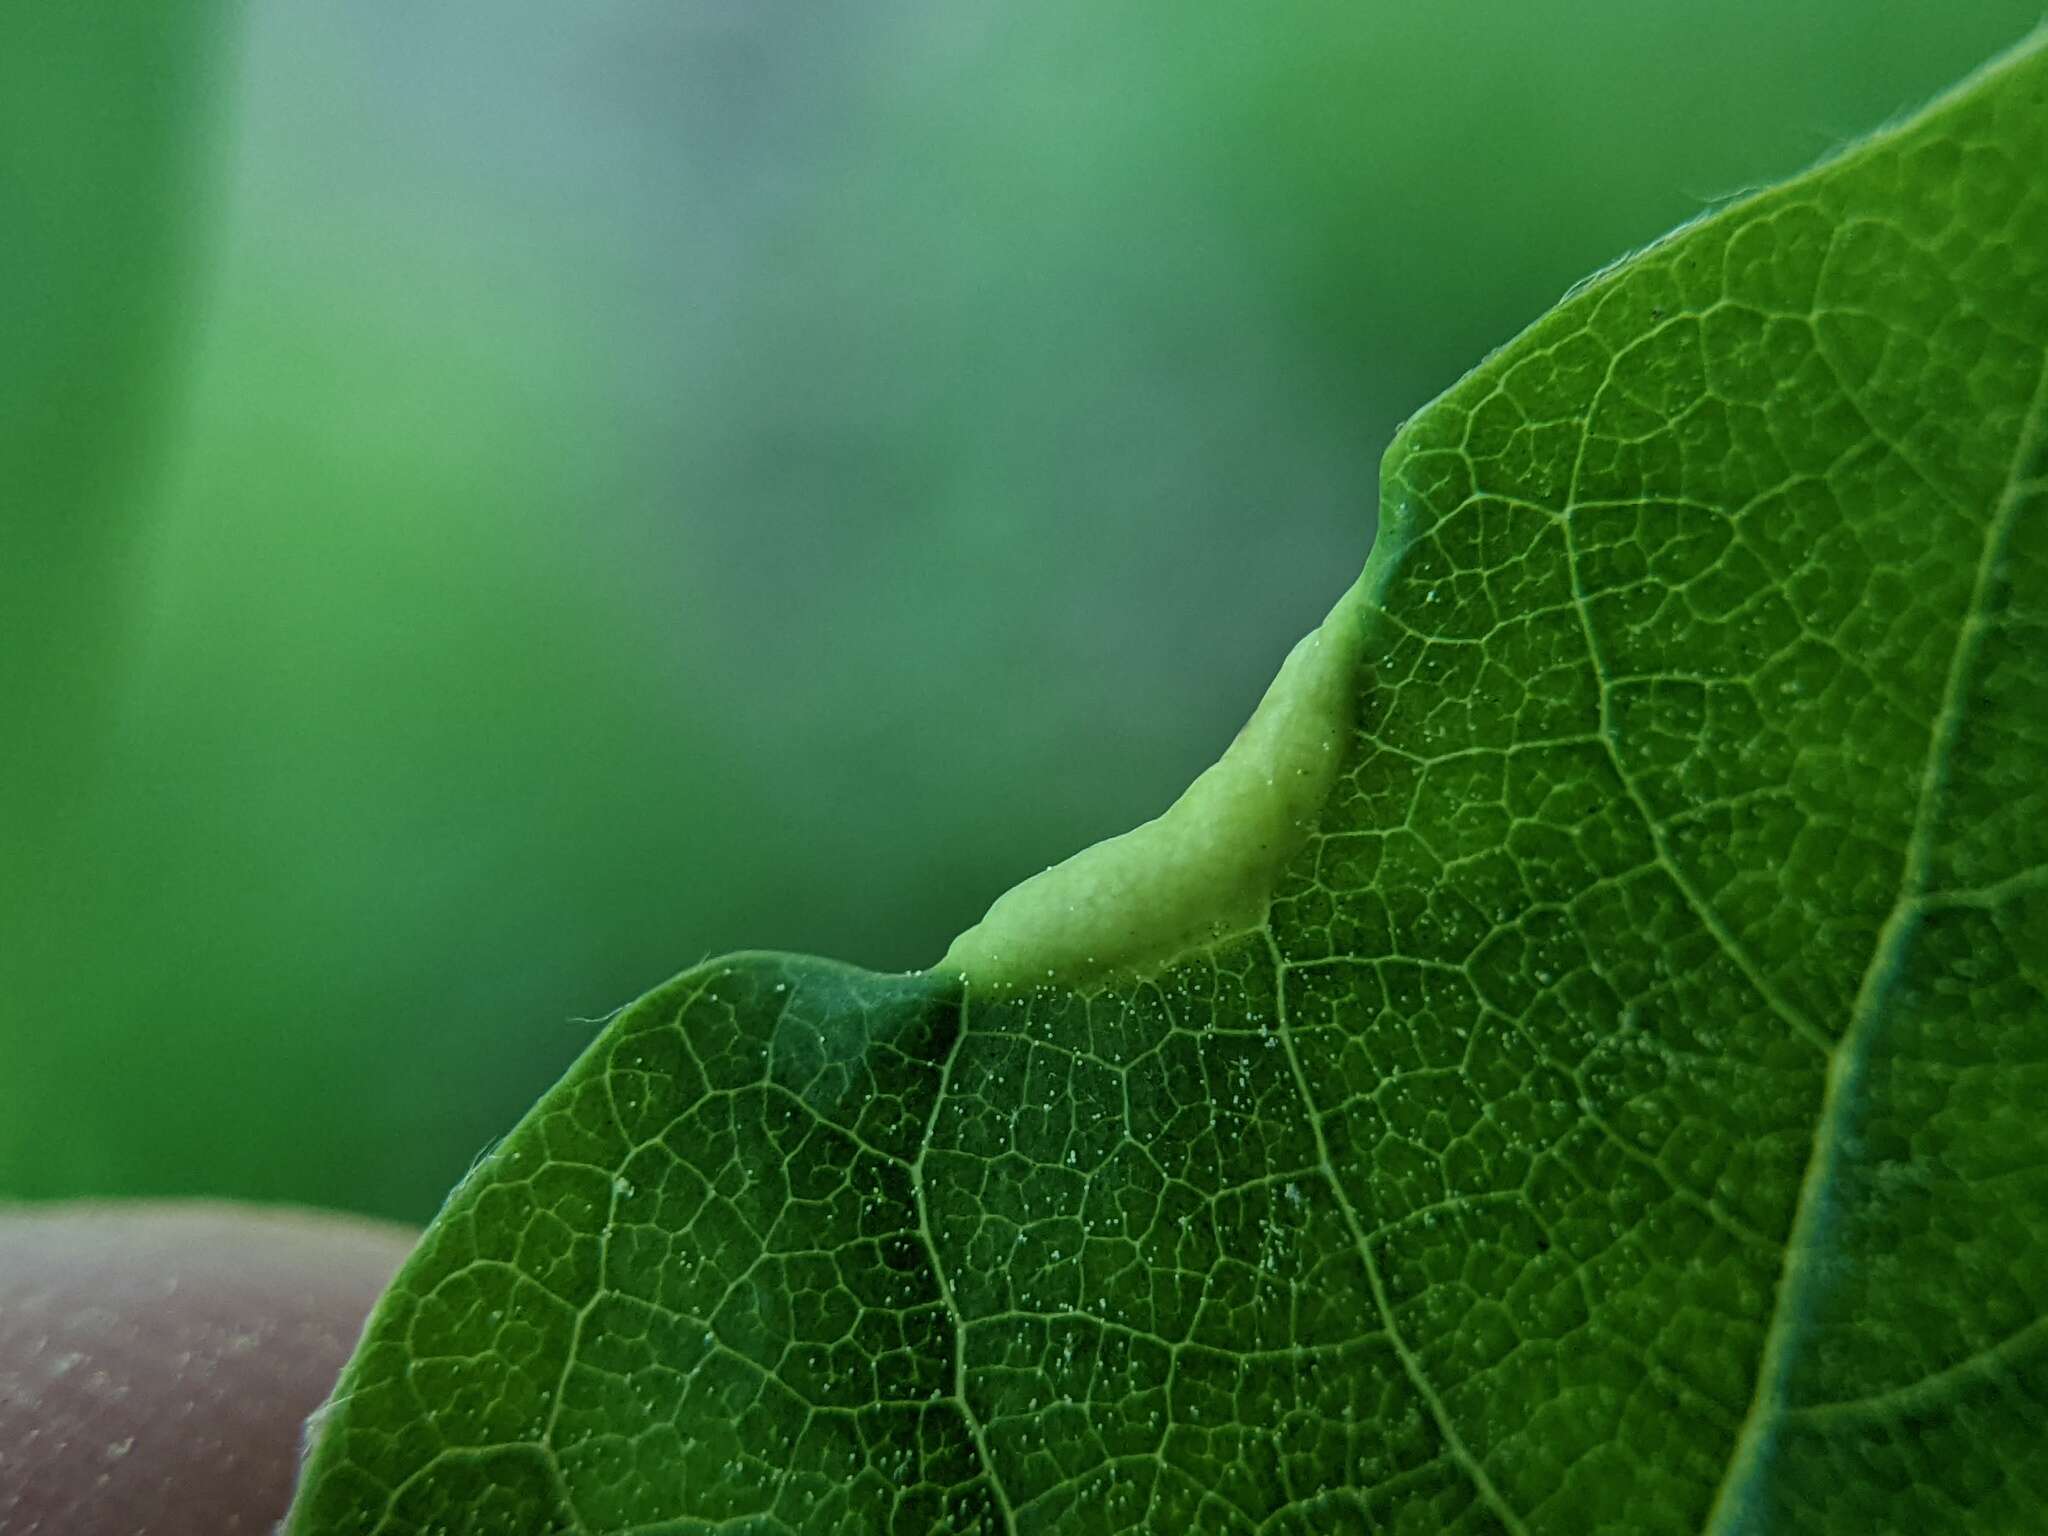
{"x":1626,"y":1109}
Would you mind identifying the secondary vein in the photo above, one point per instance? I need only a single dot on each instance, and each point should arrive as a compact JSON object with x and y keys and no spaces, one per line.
{"x":1845,"y":1066}
{"x":975,"y":1430}
{"x":1424,"y":1388}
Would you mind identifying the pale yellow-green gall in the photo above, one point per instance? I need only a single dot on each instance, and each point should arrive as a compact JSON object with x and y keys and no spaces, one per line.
{"x":1205,"y":869}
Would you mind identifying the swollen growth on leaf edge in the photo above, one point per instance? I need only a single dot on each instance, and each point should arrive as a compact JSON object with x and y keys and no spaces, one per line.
{"x":1204,"y":870}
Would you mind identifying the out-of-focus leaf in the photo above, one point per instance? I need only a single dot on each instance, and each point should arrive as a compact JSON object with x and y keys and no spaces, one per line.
{"x":102,"y":118}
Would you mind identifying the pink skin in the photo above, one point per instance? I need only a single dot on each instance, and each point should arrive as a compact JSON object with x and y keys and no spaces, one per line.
{"x":157,"y":1362}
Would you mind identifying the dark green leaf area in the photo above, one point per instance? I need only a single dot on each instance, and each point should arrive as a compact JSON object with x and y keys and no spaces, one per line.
{"x":695,"y":1281}
{"x":1628,"y":1117}
{"x":1750,"y":542}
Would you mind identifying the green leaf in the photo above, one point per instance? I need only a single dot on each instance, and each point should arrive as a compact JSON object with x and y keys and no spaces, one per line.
{"x":104,"y":140}
{"x":101,"y":129}
{"x":1576,"y":1064}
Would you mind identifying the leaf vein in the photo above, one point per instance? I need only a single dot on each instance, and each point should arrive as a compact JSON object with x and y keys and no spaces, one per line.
{"x":1887,"y":953}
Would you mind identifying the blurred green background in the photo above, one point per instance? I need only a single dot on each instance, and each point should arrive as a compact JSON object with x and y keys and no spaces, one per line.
{"x":501,"y":501}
